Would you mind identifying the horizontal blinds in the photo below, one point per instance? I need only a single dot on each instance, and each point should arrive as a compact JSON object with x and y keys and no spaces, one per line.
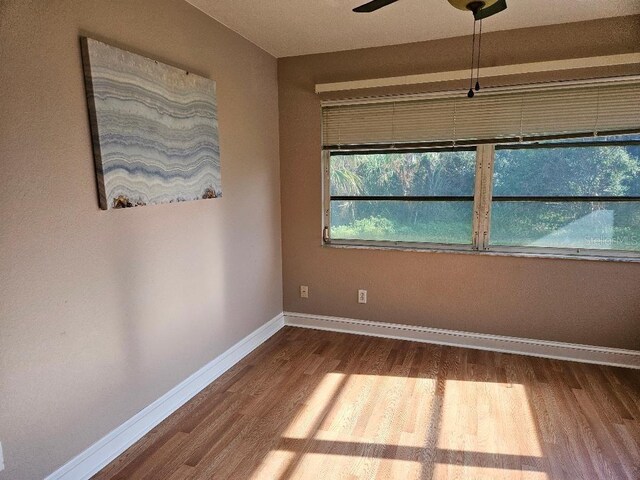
{"x":489,"y":116}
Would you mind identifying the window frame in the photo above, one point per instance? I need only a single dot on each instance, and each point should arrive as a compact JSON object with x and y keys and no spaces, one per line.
{"x":482,"y":206}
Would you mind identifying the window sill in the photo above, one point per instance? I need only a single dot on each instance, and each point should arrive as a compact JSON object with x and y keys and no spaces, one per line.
{"x":496,"y":252}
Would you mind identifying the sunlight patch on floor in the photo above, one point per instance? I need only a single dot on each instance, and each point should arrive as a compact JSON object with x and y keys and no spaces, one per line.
{"x":274,"y":465}
{"x":365,"y":416}
{"x":463,"y":472}
{"x":501,"y":422}
{"x":348,"y":466}
{"x":306,"y":422}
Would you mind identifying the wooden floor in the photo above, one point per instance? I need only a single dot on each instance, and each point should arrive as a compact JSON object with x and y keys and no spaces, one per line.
{"x":322,"y":405}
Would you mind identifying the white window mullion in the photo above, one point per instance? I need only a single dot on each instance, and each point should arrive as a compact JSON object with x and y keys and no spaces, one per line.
{"x":477,"y":202}
{"x":487,"y":193}
{"x":482,"y":196}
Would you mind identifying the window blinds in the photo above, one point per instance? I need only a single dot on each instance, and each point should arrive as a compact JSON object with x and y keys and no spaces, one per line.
{"x":491,"y":116}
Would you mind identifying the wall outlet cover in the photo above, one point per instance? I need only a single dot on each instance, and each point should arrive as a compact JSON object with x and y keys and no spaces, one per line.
{"x":362,"y":296}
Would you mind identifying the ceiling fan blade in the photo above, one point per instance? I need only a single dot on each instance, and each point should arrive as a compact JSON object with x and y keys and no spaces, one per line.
{"x":373,"y":5}
{"x":497,"y":7}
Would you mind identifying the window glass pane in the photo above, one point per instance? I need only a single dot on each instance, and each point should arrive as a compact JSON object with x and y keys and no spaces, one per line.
{"x":568,"y":171}
{"x":400,"y":174}
{"x":606,"y":226}
{"x":403,"y":221}
{"x":565,"y":172}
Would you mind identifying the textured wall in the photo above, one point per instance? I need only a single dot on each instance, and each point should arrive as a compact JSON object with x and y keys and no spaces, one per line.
{"x":586,"y":302}
{"x":103,"y":312}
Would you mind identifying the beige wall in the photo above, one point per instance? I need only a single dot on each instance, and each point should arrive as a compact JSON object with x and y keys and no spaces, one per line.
{"x":586,"y":302}
{"x":103,"y":312}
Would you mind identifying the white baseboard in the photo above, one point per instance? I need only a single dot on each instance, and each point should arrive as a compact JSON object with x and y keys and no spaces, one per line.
{"x":101,"y":453}
{"x":496,"y":343}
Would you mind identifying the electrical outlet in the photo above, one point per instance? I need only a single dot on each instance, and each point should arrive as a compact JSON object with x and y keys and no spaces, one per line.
{"x":362,"y":296}
{"x":1,"y":458}
{"x":304,"y":291}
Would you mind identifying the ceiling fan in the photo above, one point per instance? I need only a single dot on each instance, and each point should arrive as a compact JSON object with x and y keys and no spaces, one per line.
{"x":479,"y":8}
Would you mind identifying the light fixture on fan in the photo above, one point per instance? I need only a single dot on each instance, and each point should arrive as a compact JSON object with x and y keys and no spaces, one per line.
{"x":480,"y":8}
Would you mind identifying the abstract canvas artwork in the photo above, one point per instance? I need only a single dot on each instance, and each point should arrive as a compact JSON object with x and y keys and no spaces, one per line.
{"x":154,"y":129}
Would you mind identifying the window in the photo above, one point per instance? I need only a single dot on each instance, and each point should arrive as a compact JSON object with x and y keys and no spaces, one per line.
{"x":573,"y":195}
{"x":403,"y":197}
{"x":518,"y":175}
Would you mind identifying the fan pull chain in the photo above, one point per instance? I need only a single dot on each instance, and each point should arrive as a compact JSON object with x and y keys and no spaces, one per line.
{"x":478,"y":64}
{"x":473,"y":54}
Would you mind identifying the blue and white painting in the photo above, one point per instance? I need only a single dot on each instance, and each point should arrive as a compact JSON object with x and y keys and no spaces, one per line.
{"x":154,"y":129}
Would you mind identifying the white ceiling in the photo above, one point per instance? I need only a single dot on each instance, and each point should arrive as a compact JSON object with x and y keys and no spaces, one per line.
{"x":297,"y":27}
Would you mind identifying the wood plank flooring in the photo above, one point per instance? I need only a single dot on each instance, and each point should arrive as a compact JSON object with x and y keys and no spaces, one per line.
{"x":321,"y":405}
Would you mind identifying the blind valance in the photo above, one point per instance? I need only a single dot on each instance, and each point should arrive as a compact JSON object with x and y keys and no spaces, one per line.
{"x":491,"y":116}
